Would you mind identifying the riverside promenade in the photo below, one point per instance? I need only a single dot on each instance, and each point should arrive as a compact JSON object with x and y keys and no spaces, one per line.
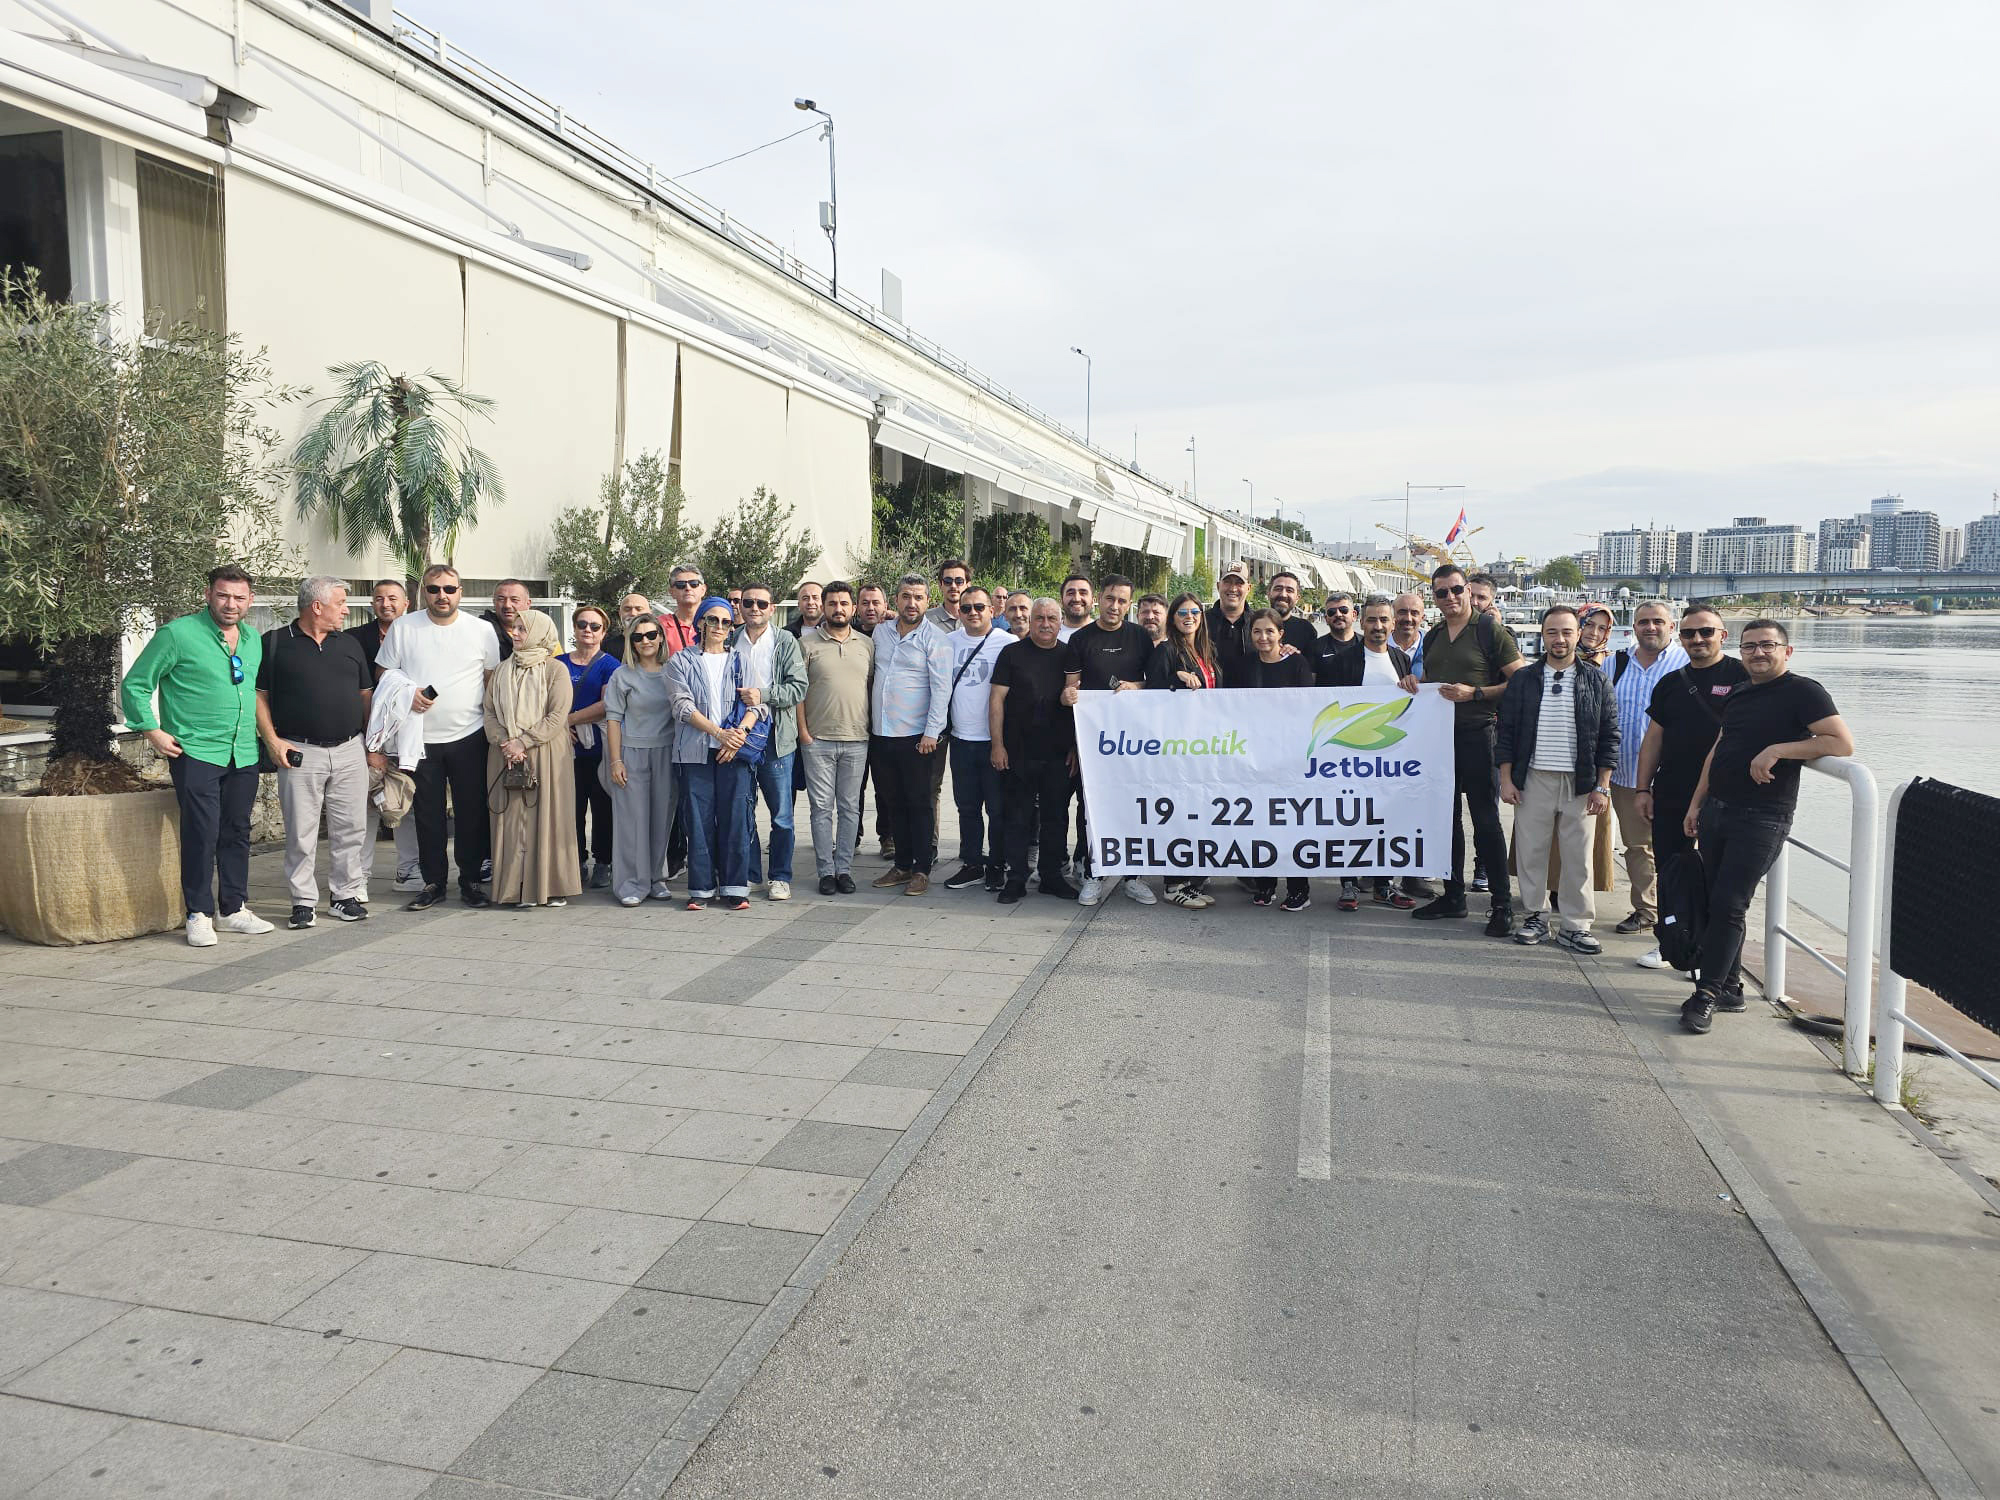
{"x":893,"y":1197}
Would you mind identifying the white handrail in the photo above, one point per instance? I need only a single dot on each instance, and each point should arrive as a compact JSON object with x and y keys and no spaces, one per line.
{"x":1862,"y":869}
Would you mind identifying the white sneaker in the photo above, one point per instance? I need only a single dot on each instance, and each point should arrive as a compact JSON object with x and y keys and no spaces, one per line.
{"x":1140,"y":892}
{"x":200,"y":930}
{"x":245,"y":921}
{"x":661,"y":891}
{"x":1091,"y":893}
{"x":630,"y":900}
{"x":781,"y":890}
{"x":1202,"y":900}
{"x":1651,"y":960}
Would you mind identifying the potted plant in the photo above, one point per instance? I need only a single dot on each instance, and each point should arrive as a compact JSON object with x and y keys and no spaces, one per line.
{"x":129,"y":467}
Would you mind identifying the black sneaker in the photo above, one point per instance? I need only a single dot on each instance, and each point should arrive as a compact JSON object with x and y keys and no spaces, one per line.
{"x":1698,"y":1012}
{"x":428,"y":897}
{"x":828,"y":885}
{"x":600,"y":876}
{"x":1444,"y":906}
{"x":1731,"y":1001}
{"x":1578,"y":942}
{"x":1633,"y":923}
{"x":348,"y":909}
{"x":1263,"y":898}
{"x":1056,"y":886}
{"x":1478,"y":878}
{"x":1501,"y":922}
{"x":1534,"y":930}
{"x":996,"y":878}
{"x":472,"y":895}
{"x":302,"y":917}
{"x":967,"y":877}
{"x":1297,"y":901}
{"x":1012,"y":893}
{"x":844,"y":884}
{"x":485,"y":870}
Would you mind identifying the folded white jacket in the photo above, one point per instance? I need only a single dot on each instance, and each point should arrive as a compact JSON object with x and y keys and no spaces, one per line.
{"x":393,"y":730}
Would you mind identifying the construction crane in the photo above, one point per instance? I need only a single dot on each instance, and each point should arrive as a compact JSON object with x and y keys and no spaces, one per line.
{"x":1458,"y":554}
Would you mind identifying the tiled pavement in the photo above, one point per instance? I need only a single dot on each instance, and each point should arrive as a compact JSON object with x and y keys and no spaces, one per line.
{"x":468,"y":1204}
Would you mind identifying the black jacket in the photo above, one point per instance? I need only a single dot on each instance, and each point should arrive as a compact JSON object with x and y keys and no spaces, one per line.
{"x":1343,"y":666}
{"x":1596,"y":723}
{"x":1164,"y":663}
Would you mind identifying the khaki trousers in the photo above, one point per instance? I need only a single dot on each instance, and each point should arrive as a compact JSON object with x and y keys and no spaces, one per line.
{"x":1551,"y":815}
{"x":333,"y":780}
{"x":1636,"y":833}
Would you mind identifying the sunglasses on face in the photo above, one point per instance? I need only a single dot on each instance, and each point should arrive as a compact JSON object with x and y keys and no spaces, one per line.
{"x":440,"y":588}
{"x":1187,"y":614}
{"x":972,"y":609}
{"x":952,"y":583}
{"x":1697,"y":632}
{"x":687,"y":583}
{"x":645,"y":635}
{"x":1450,"y":588}
{"x":756,"y":603}
{"x":589,"y":625}
{"x":716,"y":618}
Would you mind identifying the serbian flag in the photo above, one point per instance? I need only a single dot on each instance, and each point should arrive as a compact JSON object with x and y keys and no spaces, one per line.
{"x":1456,"y":527}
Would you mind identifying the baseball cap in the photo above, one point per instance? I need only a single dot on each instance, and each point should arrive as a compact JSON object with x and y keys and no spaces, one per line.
{"x":1237,"y":570}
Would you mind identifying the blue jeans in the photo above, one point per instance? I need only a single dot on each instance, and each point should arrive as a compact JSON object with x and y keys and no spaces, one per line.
{"x":715,"y":805}
{"x":772,"y":777}
{"x":975,"y":787}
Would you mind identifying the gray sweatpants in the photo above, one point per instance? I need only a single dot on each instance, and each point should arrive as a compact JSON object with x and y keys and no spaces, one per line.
{"x":834,"y":769}
{"x":642,"y":815}
{"x":333,"y":780}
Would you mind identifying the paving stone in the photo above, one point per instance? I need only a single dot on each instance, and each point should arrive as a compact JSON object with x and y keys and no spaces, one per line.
{"x":932,"y":1036}
{"x":734,"y":1261}
{"x":842,"y":1150}
{"x":37,"y":1438}
{"x":205,"y":1372}
{"x":422,"y":1221}
{"x":535,"y":1073}
{"x":717,"y":1135}
{"x":414,"y":1158}
{"x":811,"y":1060}
{"x":774,"y":1199}
{"x":682,"y":1049}
{"x":602,"y":1244}
{"x":904,"y":1070}
{"x":956,"y":1008}
{"x":201,"y":1271}
{"x":237,"y":1087}
{"x":458,"y":1309}
{"x":679,"y":1187}
{"x":36,"y":1325}
{"x":573,"y":1435}
{"x":35,"y":1177}
{"x":869,"y":1104}
{"x":200,"y":1194}
{"x":85,"y":1072}
{"x":419,"y":1408}
{"x":450,"y":1487}
{"x":358,"y":1057}
{"x":216,"y":1466}
{"x":746,"y":977}
{"x":660,"y":1338}
{"x":740,"y":1093}
{"x":476,"y":1112}
{"x":34,"y":1241}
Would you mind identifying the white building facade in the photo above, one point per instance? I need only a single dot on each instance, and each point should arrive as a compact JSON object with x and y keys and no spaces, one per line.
{"x":1751,"y":544}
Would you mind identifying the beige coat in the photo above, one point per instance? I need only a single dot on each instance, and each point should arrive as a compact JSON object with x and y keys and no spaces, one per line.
{"x":534,"y":833}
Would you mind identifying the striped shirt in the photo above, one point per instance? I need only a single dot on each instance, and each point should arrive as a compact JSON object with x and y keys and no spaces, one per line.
{"x":1634,"y":691}
{"x":1555,"y":730}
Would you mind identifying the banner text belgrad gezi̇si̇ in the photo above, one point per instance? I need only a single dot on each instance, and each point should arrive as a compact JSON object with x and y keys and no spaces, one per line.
{"x":1267,"y":781}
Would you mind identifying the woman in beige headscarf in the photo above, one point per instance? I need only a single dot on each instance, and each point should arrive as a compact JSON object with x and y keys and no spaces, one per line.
{"x":534,"y":825}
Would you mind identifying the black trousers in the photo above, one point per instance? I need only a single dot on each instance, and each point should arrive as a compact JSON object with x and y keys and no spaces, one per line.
{"x":461,"y":765}
{"x":215,"y":833}
{"x":1034,"y":801}
{"x":871,"y":774}
{"x":593,"y":798}
{"x":1738,"y":847}
{"x":1473,"y":756}
{"x":903,"y":789}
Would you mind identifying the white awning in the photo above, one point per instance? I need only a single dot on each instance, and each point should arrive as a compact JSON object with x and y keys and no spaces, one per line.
{"x":1114,"y":526}
{"x":1164,"y":540}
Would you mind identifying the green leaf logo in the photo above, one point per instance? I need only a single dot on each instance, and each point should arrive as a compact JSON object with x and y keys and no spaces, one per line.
{"x":1358,"y":726}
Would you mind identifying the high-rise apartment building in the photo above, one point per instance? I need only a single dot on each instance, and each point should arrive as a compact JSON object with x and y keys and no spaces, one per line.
{"x":1845,"y":544}
{"x":1640,"y":552}
{"x":1751,"y":544}
{"x":1951,"y":547}
{"x":1982,"y":544}
{"x":1911,"y":540}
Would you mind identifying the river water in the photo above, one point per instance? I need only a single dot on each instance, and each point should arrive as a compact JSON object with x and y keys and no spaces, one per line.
{"x":1922,"y":696}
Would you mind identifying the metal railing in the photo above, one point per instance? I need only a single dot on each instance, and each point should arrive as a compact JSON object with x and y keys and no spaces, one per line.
{"x":1893,"y":1018}
{"x":1862,"y":870}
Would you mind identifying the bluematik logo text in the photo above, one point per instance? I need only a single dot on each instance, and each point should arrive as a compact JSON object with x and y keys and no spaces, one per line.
{"x":1359,"y":726}
{"x":1122,"y":743}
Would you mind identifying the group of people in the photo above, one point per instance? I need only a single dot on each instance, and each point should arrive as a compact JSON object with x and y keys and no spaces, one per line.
{"x":641,"y":753}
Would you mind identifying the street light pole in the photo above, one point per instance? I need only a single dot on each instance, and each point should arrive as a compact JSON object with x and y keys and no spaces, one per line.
{"x":1086,"y":394}
{"x":1253,"y":500}
{"x":1194,"y":473}
{"x":829,"y":211}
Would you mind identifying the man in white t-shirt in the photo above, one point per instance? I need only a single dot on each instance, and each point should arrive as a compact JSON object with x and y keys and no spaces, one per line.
{"x":449,"y":655}
{"x":975,"y":785}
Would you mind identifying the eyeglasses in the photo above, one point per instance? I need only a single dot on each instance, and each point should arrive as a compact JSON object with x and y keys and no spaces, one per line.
{"x":973,"y":609}
{"x":1448,"y":588}
{"x":756,"y":603}
{"x":1761,"y":648}
{"x":645,"y":635}
{"x":589,"y":625}
{"x":1697,"y":632}
{"x":687,"y":583}
{"x":440,"y":588}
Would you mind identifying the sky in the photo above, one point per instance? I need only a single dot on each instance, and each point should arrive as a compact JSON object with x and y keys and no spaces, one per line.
{"x":1599,"y":264}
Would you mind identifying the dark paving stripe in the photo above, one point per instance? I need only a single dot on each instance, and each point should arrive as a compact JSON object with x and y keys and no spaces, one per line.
{"x":236,"y":1088}
{"x":48,"y":1172}
{"x":328,"y":939}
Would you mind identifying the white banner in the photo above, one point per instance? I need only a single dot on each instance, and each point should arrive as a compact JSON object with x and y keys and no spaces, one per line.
{"x":1267,"y":781}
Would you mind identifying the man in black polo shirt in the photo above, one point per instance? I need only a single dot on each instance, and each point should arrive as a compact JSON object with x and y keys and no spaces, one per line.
{"x":1034,"y":749}
{"x":1108,"y":655}
{"x":312,"y":705}
{"x":1229,"y":623}
{"x":1682,"y":719}
{"x":1742,"y":806}
{"x":1294,"y":629}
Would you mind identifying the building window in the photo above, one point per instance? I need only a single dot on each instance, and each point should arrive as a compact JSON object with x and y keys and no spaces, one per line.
{"x":180,"y":245}
{"x":34,"y":210}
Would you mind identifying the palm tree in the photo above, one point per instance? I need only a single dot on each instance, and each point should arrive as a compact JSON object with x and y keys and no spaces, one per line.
{"x":389,"y":463}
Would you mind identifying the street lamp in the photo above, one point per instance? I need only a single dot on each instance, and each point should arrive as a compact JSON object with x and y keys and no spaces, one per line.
{"x":1194,"y":473}
{"x":1086,"y":393}
{"x":1253,"y":500}
{"x":829,"y":211}
{"x":1391,"y":500}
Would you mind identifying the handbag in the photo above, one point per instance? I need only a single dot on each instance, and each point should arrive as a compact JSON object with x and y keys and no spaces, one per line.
{"x":756,"y":734}
{"x":519,"y":777}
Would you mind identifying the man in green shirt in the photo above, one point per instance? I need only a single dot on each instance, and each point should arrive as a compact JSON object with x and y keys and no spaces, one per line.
{"x":1472,"y":655}
{"x":204,"y":668}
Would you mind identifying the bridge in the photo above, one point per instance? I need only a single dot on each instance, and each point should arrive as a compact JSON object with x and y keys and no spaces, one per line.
{"x":1709,"y":585}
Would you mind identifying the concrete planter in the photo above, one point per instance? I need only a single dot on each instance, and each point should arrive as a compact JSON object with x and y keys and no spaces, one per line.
{"x":90,"y":869}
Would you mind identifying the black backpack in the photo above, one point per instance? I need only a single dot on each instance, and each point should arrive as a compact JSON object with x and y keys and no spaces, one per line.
{"x":1683,"y":910}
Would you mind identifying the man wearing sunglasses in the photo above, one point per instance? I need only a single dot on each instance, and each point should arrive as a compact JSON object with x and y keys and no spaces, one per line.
{"x":1635,"y":675}
{"x":975,"y":783}
{"x":954,"y":573}
{"x":774,"y":678}
{"x":1472,"y":656}
{"x":449,"y":655}
{"x":204,"y":668}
